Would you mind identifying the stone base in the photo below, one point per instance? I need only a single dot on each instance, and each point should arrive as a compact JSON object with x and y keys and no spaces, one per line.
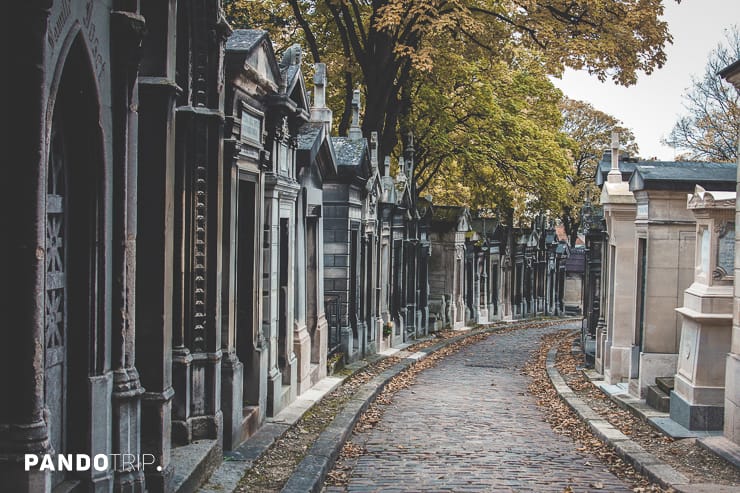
{"x":232,"y":375}
{"x":653,"y":365}
{"x":302,"y":350}
{"x":600,"y":357}
{"x":696,"y":417}
{"x":620,"y":360}
{"x":194,"y":463}
{"x":482,"y":317}
{"x":281,"y":388}
{"x":348,"y":344}
{"x":732,"y":398}
{"x":160,"y":480}
{"x":15,"y":478}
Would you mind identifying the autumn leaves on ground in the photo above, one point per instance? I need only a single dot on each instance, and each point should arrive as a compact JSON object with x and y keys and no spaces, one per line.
{"x":274,"y":468}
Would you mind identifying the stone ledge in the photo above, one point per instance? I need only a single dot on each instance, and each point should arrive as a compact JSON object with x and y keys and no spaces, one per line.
{"x":723,"y":447}
{"x":194,"y":463}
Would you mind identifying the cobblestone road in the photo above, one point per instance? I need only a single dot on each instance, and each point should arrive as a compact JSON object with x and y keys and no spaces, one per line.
{"x":469,"y":424}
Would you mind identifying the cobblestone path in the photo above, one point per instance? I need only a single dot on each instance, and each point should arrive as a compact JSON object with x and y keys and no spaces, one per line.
{"x":468,"y":424}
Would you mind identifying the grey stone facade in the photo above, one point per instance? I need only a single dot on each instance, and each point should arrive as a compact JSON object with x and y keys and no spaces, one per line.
{"x":191,"y":242}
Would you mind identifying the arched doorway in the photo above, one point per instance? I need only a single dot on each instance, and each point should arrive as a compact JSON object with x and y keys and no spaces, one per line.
{"x":71,"y":309}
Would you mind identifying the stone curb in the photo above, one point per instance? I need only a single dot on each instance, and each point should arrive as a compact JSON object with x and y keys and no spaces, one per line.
{"x":643,"y":461}
{"x":310,"y":474}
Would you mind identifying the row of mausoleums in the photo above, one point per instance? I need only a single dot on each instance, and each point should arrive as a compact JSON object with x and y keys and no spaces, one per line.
{"x":190,"y":243}
{"x":659,"y":289}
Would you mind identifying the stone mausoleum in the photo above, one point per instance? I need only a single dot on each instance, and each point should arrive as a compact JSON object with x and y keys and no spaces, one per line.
{"x":192,"y":241}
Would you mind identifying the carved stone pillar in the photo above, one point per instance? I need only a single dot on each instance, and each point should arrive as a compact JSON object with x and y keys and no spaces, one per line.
{"x":154,"y":243}
{"x":22,"y":426}
{"x":127,"y":29}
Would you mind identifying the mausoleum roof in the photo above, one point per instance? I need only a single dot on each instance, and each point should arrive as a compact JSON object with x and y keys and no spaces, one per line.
{"x":683,"y":175}
{"x":349,"y":152}
{"x":244,"y":39}
{"x":308,"y":134}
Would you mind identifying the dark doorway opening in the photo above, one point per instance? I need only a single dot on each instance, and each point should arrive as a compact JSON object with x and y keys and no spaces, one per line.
{"x":71,"y":307}
{"x":246,"y":294}
{"x":283,"y":322}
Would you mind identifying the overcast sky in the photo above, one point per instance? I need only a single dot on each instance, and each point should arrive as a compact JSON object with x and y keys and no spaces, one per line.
{"x":652,"y":106}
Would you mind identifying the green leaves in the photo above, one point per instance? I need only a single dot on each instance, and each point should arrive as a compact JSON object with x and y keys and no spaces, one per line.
{"x":589,"y":135}
{"x":488,"y":134}
{"x":468,"y":77}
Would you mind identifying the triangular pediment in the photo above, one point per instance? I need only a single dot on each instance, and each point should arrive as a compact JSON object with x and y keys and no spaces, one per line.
{"x":262,"y":60}
{"x":298,"y":92}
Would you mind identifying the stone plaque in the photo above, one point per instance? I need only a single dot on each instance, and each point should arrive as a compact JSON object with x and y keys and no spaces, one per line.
{"x":726,"y":249}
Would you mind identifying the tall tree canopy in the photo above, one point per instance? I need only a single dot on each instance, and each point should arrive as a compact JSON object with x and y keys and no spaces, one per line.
{"x":489,"y":134}
{"x":380,"y":43}
{"x":589,"y":131}
{"x":710,"y":130}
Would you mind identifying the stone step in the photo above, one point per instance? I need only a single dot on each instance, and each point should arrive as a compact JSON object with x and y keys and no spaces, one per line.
{"x":658,"y":399}
{"x":194,"y":463}
{"x":728,"y":450}
{"x":665,"y":384}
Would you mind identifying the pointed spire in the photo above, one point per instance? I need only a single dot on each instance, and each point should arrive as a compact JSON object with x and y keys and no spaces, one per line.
{"x":355,"y":132}
{"x":387,"y":166}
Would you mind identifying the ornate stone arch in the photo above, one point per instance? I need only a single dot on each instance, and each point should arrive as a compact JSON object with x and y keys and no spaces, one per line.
{"x":75,"y":278}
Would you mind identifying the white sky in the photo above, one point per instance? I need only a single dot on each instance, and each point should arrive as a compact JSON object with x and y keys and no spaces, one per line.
{"x":652,"y":106}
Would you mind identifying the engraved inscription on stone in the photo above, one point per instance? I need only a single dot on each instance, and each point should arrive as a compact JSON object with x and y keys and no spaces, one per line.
{"x":726,"y":249}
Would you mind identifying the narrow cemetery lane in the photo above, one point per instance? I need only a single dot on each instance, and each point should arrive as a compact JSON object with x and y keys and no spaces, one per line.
{"x":469,"y":424}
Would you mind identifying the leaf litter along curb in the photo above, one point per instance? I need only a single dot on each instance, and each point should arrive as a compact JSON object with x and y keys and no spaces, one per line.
{"x":564,"y":421}
{"x":271,"y":471}
{"x":685,"y":455}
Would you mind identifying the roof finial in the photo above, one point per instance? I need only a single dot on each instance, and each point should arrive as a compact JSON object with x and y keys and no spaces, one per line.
{"x":319,"y":111}
{"x":615,"y":176}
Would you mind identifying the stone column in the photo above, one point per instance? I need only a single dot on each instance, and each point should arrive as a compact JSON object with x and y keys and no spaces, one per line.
{"x":732,"y":370}
{"x":22,"y":426}
{"x":154,"y":257}
{"x":199,"y":223}
{"x":127,"y":30}
{"x":476,"y":287}
{"x":321,"y":336}
{"x":270,"y":289}
{"x":301,"y":337}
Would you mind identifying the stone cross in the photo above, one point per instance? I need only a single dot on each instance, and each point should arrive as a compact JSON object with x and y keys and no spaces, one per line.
{"x":374,"y":150}
{"x":319,"y":111}
{"x":354,"y":130}
{"x":319,"y":85}
{"x":615,"y":176}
